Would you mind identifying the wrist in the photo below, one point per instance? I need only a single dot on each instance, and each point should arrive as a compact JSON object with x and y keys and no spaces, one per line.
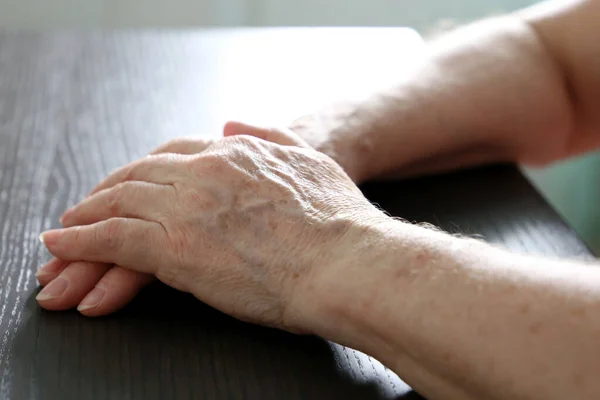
{"x":334,"y":302}
{"x":363,"y":297}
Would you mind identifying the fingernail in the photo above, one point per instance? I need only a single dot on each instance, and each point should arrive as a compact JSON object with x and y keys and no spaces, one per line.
{"x":50,"y":238}
{"x":49,"y":268}
{"x":54,"y":290}
{"x":92,"y":299}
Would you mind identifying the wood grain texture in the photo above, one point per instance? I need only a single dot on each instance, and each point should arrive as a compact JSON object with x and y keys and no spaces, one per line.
{"x":75,"y":106}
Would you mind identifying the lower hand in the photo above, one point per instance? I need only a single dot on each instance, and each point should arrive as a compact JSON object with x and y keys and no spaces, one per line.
{"x":244,"y":225}
{"x":97,"y":288}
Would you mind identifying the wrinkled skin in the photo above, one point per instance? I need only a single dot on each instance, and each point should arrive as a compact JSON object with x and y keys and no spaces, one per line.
{"x":118,"y":285}
{"x":243,"y":225}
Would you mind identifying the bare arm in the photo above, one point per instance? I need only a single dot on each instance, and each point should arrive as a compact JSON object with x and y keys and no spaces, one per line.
{"x":455,"y":318}
{"x":519,"y":88}
{"x":459,"y":319}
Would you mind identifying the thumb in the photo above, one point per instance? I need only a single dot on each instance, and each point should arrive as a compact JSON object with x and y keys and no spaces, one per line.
{"x":284,"y":137}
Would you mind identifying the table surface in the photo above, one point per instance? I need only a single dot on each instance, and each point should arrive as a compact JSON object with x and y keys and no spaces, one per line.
{"x":73,"y":106}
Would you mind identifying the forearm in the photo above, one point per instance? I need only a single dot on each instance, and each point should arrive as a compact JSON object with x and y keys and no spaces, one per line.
{"x":457,"y":318}
{"x":488,"y":92}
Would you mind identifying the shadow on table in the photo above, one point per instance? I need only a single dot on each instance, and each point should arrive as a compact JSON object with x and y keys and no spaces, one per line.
{"x":169,"y":345}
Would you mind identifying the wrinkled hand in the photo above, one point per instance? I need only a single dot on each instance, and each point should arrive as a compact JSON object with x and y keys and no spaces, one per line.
{"x":99,"y":288}
{"x":245,"y":225}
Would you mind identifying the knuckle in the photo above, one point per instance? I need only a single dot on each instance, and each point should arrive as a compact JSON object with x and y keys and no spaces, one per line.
{"x":109,"y":236}
{"x":214,"y":158}
{"x":168,"y":159}
{"x":166,"y":147}
{"x":177,"y":146}
{"x":245,"y":141}
{"x":77,"y":235}
{"x":129,"y":173}
{"x":114,"y":198}
{"x":199,"y":165}
{"x":238,"y":154}
{"x":160,"y":149}
{"x":214,"y":162}
{"x":170,"y":146}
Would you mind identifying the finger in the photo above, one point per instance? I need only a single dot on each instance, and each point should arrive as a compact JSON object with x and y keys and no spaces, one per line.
{"x":120,"y":285}
{"x":133,"y":199}
{"x":50,"y":270}
{"x":183,"y":146}
{"x":113,"y":291}
{"x":132,"y":243}
{"x":284,"y":137}
{"x":71,"y":285}
{"x":162,"y":169}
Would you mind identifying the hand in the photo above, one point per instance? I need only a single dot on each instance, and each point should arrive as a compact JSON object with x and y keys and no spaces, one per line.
{"x":334,"y":130}
{"x":98,"y":288}
{"x":246,"y":225}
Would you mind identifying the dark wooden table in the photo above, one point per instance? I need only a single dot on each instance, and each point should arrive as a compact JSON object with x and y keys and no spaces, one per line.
{"x":74,"y":106}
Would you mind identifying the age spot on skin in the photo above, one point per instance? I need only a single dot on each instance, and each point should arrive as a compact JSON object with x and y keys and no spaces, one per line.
{"x":579,"y":312}
{"x":364,"y":145}
{"x":221,"y":220}
{"x":402,"y":272}
{"x":524,"y":309}
{"x":447,"y":356}
{"x":535,"y":328}
{"x":273,"y":225}
{"x":366,"y":303}
{"x":338,"y":227}
{"x":423,"y":256}
{"x":511,"y":289}
{"x":578,"y":379}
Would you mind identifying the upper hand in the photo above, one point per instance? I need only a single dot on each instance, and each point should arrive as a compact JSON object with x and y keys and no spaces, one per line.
{"x":244,"y":225}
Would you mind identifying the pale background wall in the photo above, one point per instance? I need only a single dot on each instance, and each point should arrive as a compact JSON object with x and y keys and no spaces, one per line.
{"x":128,"y":13}
{"x":573,"y":187}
